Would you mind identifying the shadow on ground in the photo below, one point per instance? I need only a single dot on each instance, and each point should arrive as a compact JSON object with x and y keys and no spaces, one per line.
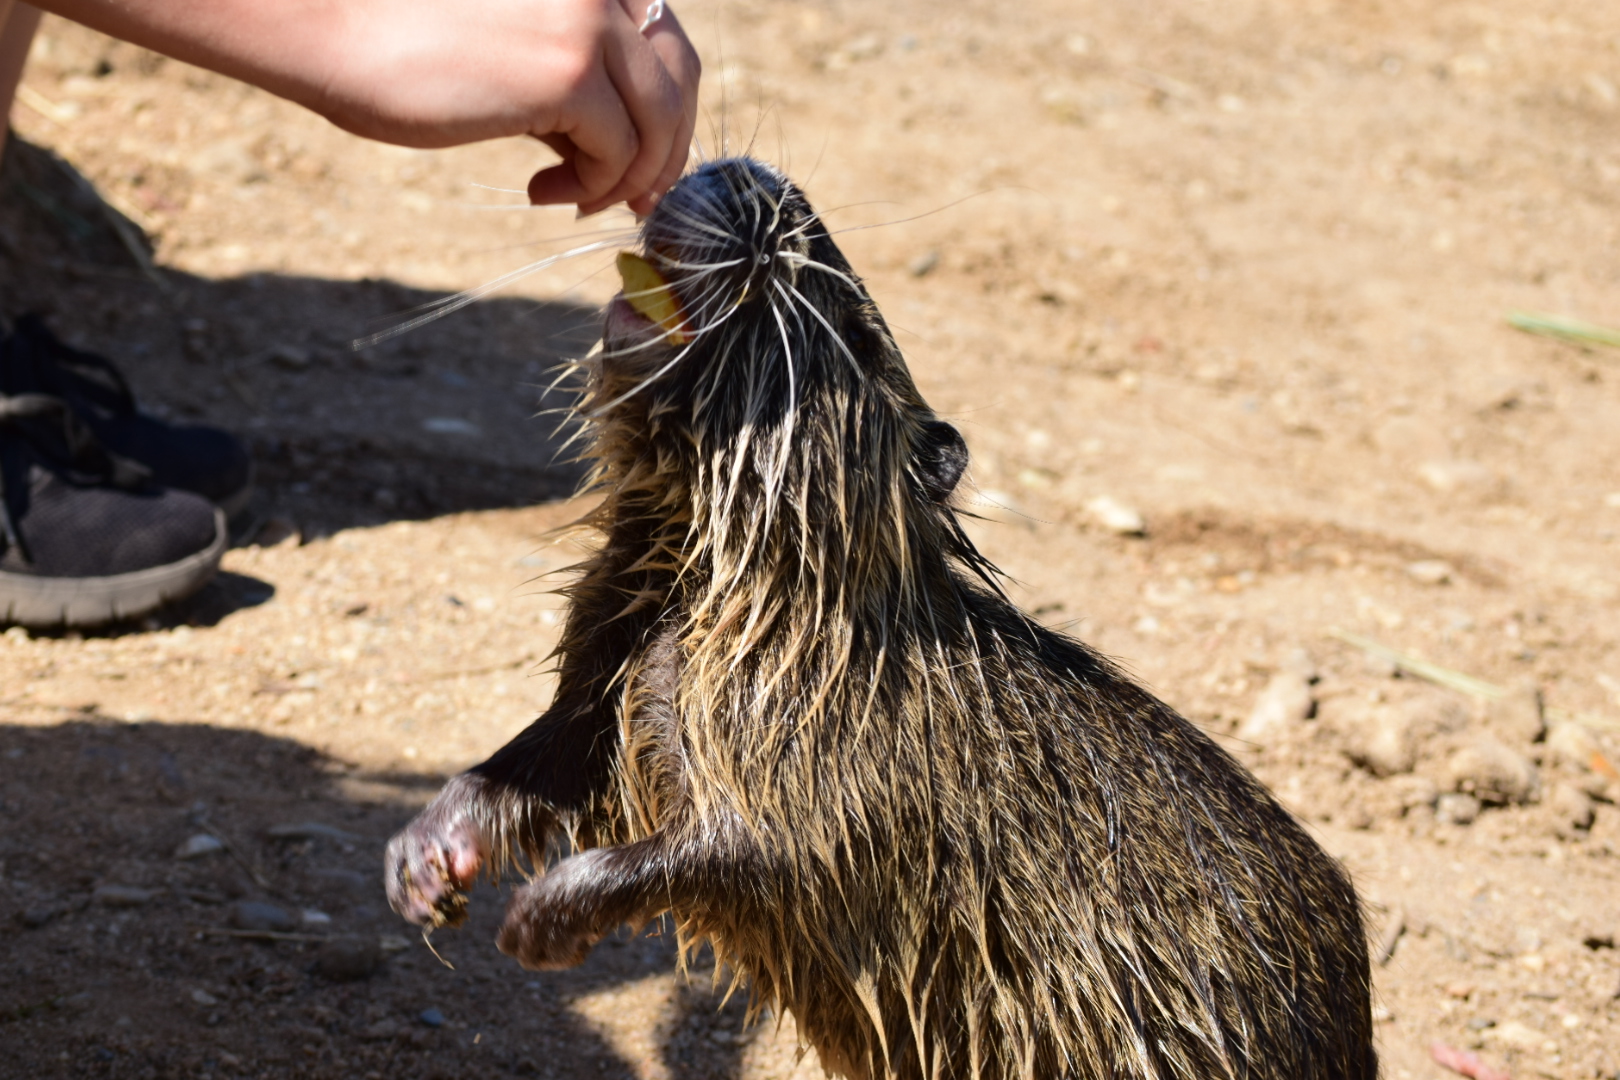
{"x":463,"y":413}
{"x":452,"y":416}
{"x":126,"y":960}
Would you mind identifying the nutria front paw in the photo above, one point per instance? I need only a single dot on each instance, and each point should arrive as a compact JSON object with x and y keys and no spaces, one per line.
{"x":554,"y":922}
{"x":434,"y":859}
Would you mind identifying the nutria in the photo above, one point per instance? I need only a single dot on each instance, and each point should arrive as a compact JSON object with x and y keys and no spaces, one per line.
{"x":797,"y":712}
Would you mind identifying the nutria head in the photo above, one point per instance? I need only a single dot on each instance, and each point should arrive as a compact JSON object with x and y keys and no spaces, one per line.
{"x":770,"y":397}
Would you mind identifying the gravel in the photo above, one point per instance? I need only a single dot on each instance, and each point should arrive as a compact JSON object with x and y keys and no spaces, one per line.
{"x":1493,"y":773}
{"x":348,"y":958}
{"x":1286,"y":701}
{"x":256,"y":915}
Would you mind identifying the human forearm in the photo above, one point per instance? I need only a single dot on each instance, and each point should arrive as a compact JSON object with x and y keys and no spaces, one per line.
{"x":288,"y":47}
{"x":619,"y":105}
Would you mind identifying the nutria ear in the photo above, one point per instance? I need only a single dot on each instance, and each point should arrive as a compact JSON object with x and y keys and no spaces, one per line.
{"x":942,"y":457}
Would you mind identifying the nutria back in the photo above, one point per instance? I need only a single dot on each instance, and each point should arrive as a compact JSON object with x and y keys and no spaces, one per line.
{"x":797,"y":711}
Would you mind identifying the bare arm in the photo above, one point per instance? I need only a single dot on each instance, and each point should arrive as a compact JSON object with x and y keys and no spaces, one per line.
{"x":618,"y":104}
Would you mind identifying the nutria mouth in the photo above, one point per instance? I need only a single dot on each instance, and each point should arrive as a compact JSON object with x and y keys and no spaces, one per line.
{"x":796,"y":711}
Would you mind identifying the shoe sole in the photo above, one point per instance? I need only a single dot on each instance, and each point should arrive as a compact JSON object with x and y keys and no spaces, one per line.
{"x":47,"y":602}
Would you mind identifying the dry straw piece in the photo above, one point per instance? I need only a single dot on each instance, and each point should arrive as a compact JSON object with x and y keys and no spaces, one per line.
{"x":1564,"y":329}
{"x":1459,"y":681}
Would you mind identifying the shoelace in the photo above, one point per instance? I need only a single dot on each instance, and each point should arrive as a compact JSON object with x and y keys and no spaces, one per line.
{"x":42,"y":363}
{"x":28,"y":419}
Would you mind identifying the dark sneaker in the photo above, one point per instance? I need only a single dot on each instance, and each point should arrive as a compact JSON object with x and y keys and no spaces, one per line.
{"x":85,"y":536}
{"x":203,"y":460}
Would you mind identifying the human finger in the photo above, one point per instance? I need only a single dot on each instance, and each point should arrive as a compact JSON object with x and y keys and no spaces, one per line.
{"x":681,"y":60}
{"x":597,"y":143}
{"x":651,"y":97}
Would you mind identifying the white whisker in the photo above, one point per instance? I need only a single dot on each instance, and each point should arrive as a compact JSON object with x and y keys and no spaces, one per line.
{"x":440,"y":308}
{"x":822,"y":319}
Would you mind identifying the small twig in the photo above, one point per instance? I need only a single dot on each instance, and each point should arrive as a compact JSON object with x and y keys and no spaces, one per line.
{"x":257,"y":935}
{"x":236,"y":853}
{"x":23,"y":1012}
{"x":1164,"y":84}
{"x":1442,"y":676}
{"x":426,"y":930}
{"x":1557,"y":326}
{"x":436,"y":676}
{"x":1457,"y":680}
{"x":1394,"y":927}
{"x":61,"y":115}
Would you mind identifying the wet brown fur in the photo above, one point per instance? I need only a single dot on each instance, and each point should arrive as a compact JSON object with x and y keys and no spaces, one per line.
{"x":796,"y":711}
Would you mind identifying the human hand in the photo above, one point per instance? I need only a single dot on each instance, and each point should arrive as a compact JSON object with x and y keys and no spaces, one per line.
{"x":618,"y":105}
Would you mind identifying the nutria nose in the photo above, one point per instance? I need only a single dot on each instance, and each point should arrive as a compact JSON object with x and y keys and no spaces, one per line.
{"x":727,"y":215}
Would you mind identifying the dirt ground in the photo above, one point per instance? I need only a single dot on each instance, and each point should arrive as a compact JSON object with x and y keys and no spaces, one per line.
{"x":1241,"y":268}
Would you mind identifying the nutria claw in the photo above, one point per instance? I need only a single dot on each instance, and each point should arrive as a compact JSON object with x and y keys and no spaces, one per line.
{"x":432,"y":861}
{"x":553,"y":921}
{"x":539,"y":934}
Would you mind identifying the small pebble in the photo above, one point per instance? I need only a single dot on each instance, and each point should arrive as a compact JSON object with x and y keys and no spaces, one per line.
{"x":924,"y":264}
{"x":312,"y":917}
{"x":203,"y":997}
{"x":122,"y":895}
{"x":310,"y":830}
{"x":451,"y":425}
{"x":350,"y":880}
{"x":77,"y":1003}
{"x":1455,"y":809}
{"x":1517,"y":717}
{"x":1415,"y":791}
{"x":35,"y":917}
{"x":431,"y":1018}
{"x":382,"y":1029}
{"x":1518,"y":1036}
{"x":290,"y":357}
{"x":1299,"y":662}
{"x":1381,"y":666}
{"x":350,"y":958}
{"x":1383,"y":742}
{"x":1492,"y":773}
{"x":1430,"y":571}
{"x":254,"y":915}
{"x":198,"y":846}
{"x":1572,"y":807}
{"x":1115,"y":516}
{"x":1572,"y":744}
{"x":1286,"y":701}
{"x":1449,"y":476}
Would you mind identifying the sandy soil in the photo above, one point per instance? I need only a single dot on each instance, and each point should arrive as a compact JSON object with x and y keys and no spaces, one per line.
{"x":1241,"y":268}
